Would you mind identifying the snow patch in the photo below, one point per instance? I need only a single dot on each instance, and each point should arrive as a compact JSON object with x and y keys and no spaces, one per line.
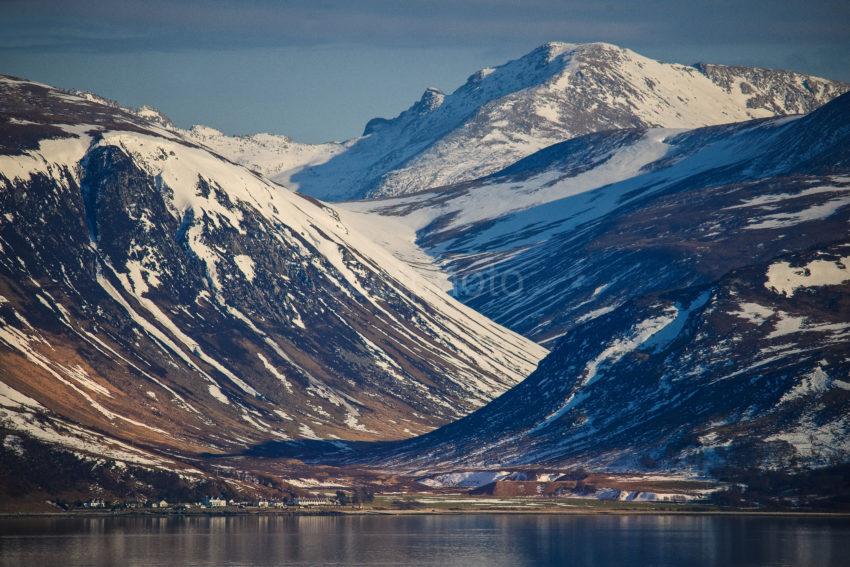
{"x":785,"y":279}
{"x":245,"y":265}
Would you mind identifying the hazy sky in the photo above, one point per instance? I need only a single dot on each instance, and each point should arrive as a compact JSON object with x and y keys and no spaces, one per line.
{"x":318,"y":70}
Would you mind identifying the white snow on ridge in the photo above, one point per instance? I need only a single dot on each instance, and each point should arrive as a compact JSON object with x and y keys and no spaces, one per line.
{"x":275,"y":372}
{"x":397,"y":235}
{"x":591,"y":315}
{"x":501,"y":199}
{"x":651,"y":334}
{"x":274,"y":156}
{"x":819,"y":444}
{"x":787,"y":324}
{"x":772,"y":199}
{"x":394,"y":222}
{"x":53,"y":157}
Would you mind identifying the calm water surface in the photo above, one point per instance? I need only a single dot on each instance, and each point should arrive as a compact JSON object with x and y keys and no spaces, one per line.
{"x":491,"y":540}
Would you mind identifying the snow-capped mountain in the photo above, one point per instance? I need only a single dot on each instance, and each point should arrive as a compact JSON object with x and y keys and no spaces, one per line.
{"x":695,"y":295}
{"x":155,"y":296}
{"x":556,"y":92}
{"x":681,"y":248}
{"x":516,"y":242}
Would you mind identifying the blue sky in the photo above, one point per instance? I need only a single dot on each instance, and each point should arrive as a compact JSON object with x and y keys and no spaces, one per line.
{"x":318,"y":70}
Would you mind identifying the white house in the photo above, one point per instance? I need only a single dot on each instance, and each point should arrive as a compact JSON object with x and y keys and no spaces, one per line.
{"x":312,"y":501}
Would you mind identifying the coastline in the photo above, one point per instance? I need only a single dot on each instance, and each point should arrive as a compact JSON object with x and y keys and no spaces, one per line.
{"x":427,"y":512}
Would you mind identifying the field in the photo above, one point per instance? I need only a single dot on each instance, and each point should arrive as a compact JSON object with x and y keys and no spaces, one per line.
{"x":429,"y":502}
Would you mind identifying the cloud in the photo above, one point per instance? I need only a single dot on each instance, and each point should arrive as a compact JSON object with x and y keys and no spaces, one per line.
{"x":319,"y":69}
{"x":196,"y":24}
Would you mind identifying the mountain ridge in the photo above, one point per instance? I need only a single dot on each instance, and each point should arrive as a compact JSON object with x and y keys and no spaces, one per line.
{"x":555,"y":92}
{"x":564,"y":90}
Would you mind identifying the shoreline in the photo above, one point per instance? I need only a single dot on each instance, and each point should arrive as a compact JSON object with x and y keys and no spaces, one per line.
{"x":427,"y":512}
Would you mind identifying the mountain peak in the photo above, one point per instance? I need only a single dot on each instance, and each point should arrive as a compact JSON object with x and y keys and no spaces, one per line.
{"x":151,"y":114}
{"x":553,"y":49}
{"x":431,"y":99}
{"x":201,"y":131}
{"x":553,"y":93}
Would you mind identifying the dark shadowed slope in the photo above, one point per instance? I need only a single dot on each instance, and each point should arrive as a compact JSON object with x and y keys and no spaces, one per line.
{"x":704,"y":307}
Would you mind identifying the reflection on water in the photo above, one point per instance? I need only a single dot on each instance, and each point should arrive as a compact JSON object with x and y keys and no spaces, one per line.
{"x":491,"y":540}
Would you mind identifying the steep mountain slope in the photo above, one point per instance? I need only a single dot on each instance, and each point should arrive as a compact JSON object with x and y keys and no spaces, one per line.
{"x":518,"y":243}
{"x":739,"y":373}
{"x":159,"y":299}
{"x":556,"y":92}
{"x":699,"y":310}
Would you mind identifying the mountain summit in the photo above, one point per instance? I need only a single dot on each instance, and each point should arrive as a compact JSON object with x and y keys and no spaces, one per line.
{"x":556,"y":92}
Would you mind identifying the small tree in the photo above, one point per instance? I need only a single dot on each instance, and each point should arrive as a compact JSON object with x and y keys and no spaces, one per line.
{"x":342,"y":497}
{"x":361,"y":495}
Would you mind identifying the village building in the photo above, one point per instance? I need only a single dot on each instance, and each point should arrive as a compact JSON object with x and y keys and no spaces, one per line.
{"x":313,"y":501}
